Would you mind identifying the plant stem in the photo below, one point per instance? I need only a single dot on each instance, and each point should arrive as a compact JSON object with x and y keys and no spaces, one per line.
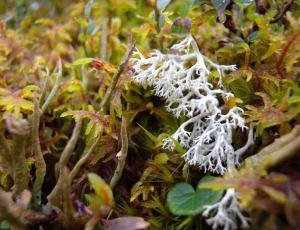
{"x":105,"y":100}
{"x":10,"y":212}
{"x":280,"y":149}
{"x":67,"y":203}
{"x":123,"y":155}
{"x":90,"y":225}
{"x":83,"y":160}
{"x":55,"y":195}
{"x":5,"y":151}
{"x":21,"y":174}
{"x":38,"y":154}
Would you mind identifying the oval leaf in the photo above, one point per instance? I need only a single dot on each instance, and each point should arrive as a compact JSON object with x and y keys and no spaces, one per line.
{"x":101,"y":188}
{"x":184,"y":200}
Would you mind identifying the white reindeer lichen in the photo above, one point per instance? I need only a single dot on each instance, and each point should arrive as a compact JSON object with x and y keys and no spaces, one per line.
{"x":226,"y":213}
{"x":182,"y":79}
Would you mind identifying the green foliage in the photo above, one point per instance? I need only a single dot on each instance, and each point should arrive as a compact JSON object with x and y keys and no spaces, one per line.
{"x":103,"y":193}
{"x":57,"y":61}
{"x":184,"y":200}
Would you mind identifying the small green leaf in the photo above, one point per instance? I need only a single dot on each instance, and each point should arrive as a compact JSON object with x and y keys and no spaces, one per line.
{"x":161,"y":20}
{"x":185,"y":7}
{"x":220,"y":6}
{"x":160,"y":4}
{"x":184,"y":200}
{"x":244,"y":2}
{"x":150,"y":135}
{"x":82,"y":61}
{"x":94,"y":201}
{"x":178,"y":146}
{"x":161,"y":158}
{"x":101,"y":188}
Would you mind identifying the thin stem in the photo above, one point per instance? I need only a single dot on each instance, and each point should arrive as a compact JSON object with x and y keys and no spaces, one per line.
{"x":123,"y":155}
{"x":83,"y":160}
{"x":285,"y":7}
{"x":90,"y":225}
{"x":55,"y":196}
{"x":21,"y":174}
{"x":68,"y":151}
{"x":67,"y":203}
{"x":5,"y":151}
{"x":38,"y":154}
{"x":54,"y":90}
{"x":280,"y":149}
{"x":105,"y":100}
{"x":250,"y":141}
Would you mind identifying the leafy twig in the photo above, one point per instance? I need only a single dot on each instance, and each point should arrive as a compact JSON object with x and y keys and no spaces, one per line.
{"x":105,"y":100}
{"x":122,"y":155}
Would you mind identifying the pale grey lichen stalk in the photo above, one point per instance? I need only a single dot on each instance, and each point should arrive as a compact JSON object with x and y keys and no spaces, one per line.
{"x":226,"y":213}
{"x":181,"y":77}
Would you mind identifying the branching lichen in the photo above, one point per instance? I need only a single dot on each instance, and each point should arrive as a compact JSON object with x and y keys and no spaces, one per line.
{"x":182,"y":78}
{"x":226,"y":213}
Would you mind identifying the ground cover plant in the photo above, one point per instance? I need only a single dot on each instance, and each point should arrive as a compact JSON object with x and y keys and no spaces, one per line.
{"x":149,"y":114}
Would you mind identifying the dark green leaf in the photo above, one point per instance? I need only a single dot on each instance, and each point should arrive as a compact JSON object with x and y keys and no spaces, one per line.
{"x":220,"y":5}
{"x":184,"y":200}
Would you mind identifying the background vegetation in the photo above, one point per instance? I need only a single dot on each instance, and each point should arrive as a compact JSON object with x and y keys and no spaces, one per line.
{"x":81,"y":142}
